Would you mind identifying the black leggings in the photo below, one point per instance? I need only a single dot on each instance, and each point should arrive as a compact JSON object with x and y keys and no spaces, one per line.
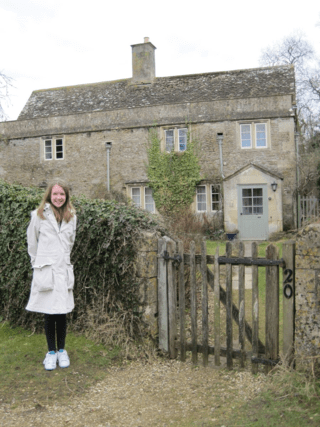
{"x":55,"y":324}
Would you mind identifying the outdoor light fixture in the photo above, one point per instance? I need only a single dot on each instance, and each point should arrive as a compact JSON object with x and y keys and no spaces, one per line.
{"x":274,"y":186}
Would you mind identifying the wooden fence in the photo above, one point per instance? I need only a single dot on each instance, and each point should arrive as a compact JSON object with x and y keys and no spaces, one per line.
{"x":172,"y":303}
{"x":309,"y":210}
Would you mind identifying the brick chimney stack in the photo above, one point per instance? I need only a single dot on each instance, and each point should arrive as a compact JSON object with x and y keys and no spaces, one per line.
{"x":143,"y":62}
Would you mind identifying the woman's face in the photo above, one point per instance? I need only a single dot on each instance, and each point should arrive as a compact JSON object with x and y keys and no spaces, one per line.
{"x":58,"y":196}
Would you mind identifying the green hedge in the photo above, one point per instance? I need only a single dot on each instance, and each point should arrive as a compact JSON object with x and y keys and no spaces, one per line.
{"x":103,"y":256}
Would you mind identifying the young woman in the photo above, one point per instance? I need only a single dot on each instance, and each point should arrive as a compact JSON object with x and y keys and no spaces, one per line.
{"x":51,"y":235}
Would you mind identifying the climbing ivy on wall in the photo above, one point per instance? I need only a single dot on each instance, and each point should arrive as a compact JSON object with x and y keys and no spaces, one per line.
{"x":172,"y":176}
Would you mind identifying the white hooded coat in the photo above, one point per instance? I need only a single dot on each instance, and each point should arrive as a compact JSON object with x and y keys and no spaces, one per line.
{"x":49,"y":247}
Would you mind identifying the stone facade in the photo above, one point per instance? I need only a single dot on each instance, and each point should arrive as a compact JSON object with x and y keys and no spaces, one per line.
{"x":307,"y":292}
{"x":85,"y":117}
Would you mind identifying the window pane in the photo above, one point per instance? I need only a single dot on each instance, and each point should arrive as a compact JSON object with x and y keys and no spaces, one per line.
{"x":257,"y":192}
{"x":59,"y":149}
{"x":201,"y":199}
{"x":149,"y":202}
{"x":215,"y":197}
{"x":258,"y":210}
{"x":169,"y":140}
{"x":247,"y":211}
{"x":245,"y":131}
{"x":135,"y":193}
{"x":257,"y":201}
{"x":183,"y":139}
{"x":48,"y":150}
{"x":261,"y":135}
{"x":246,"y":192}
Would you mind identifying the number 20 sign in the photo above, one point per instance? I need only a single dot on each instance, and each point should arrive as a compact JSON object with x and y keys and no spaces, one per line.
{"x":288,"y":289}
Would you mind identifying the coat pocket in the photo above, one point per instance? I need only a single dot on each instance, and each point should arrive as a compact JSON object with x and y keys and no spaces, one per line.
{"x":43,"y":277}
{"x":70,"y":277}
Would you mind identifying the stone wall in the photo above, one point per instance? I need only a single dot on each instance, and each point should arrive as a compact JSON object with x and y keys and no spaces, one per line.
{"x":307,"y":293}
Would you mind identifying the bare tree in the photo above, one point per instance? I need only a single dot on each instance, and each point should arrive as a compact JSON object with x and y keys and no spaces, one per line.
{"x":5,"y":84}
{"x":296,"y":50}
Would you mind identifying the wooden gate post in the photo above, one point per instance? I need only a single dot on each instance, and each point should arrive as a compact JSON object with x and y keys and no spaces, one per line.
{"x":167,"y":297}
{"x":288,"y":255}
{"x":162,"y":296}
{"x":272,"y":306}
{"x":172,"y":300}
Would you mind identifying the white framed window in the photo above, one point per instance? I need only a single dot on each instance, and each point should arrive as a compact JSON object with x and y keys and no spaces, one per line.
{"x":142,"y":198}
{"x":136,"y":196}
{"x":169,"y":140}
{"x":53,"y":149}
{"x":253,"y":135}
{"x":215,"y":197}
{"x":183,"y":137}
{"x":245,"y":135}
{"x":176,"y":139}
{"x":201,"y":198}
{"x":261,"y":135}
{"x":148,"y":200}
{"x":48,"y":149}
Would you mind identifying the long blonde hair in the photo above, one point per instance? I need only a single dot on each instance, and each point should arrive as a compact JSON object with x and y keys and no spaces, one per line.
{"x":67,"y":211}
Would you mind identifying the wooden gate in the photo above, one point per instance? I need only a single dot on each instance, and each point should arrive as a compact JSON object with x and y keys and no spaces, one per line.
{"x":204,"y":273}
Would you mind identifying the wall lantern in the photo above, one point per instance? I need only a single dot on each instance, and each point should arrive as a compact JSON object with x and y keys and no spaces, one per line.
{"x":274,"y":186}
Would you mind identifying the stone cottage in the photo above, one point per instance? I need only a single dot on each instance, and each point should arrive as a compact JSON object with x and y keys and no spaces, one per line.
{"x":95,"y":136}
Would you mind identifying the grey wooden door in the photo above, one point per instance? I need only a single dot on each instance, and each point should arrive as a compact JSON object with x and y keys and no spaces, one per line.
{"x":253,"y":212}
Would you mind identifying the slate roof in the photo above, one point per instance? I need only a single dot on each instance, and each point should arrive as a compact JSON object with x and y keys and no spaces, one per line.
{"x":257,"y":82}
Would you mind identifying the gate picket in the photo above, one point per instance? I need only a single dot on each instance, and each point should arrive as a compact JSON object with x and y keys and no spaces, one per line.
{"x":193,"y":298}
{"x":255,"y":308}
{"x":182,"y":305}
{"x":205,"y":327}
{"x":229,"y":307}
{"x":242,"y":305}
{"x":216,"y":289}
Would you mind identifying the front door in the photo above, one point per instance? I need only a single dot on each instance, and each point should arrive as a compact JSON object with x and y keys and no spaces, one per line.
{"x":253,"y":212}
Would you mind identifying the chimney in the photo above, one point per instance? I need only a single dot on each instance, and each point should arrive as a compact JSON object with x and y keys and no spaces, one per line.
{"x":143,"y":62}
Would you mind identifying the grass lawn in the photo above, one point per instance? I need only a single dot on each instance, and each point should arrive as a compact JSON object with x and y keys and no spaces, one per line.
{"x":24,"y":379}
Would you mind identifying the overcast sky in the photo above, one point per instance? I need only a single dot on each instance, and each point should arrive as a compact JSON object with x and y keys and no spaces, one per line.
{"x":53,"y":43}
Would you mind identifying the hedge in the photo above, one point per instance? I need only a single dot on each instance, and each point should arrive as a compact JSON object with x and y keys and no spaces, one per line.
{"x":103,"y":256}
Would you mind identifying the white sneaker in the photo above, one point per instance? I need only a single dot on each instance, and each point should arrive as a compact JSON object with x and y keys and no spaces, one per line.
{"x":63,"y":359}
{"x":50,"y":361}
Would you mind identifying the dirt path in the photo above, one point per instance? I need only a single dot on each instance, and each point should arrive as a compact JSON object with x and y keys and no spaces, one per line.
{"x":160,"y":393}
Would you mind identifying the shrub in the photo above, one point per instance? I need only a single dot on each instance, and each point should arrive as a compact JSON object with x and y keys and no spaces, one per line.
{"x":103,"y":256}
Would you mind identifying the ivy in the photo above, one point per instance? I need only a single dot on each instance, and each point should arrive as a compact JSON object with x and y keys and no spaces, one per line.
{"x":103,"y":256}
{"x":172,"y":176}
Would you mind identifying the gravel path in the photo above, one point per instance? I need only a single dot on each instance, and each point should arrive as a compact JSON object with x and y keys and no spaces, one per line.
{"x":159,"y":393}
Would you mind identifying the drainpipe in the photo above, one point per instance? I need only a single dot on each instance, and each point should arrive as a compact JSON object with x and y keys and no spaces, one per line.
{"x":220,"y":141}
{"x":108,"y":147}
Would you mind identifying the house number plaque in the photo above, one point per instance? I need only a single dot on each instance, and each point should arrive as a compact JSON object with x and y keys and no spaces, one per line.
{"x":288,"y":290}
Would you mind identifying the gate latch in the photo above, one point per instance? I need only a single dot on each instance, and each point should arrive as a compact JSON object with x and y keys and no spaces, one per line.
{"x":176,"y":258}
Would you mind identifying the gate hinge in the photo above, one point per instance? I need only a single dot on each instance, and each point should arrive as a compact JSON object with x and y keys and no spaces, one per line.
{"x":176,"y":258}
